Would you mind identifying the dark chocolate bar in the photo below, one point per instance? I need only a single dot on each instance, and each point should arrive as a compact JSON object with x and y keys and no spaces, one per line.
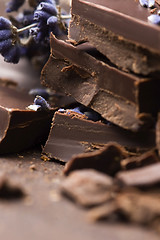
{"x":72,"y":134}
{"x":120,"y":31}
{"x":93,"y":81}
{"x":21,"y":128}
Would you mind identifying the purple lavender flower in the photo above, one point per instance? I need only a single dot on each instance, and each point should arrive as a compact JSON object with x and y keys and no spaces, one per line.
{"x":13,"y":54}
{"x":14,"y":5}
{"x":9,"y":47}
{"x":44,"y":15}
{"x":40,"y":101}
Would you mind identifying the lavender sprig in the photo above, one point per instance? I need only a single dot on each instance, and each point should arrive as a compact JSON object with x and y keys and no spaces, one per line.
{"x":37,"y":24}
{"x":41,"y":102}
{"x":42,"y":14}
{"x":9,"y":46}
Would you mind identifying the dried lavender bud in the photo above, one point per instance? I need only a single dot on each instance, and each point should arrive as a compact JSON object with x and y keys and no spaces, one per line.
{"x":5,"y":23}
{"x":9,"y":47}
{"x":48,"y":8}
{"x":5,"y":45}
{"x":5,"y":34}
{"x":44,"y":11}
{"x":41,"y":16}
{"x":42,"y":102}
{"x":14,"y":5}
{"x":154,"y":18}
{"x":52,"y":21}
{"x":12,"y":55}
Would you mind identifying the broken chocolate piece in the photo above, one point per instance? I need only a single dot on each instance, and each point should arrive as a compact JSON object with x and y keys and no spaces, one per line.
{"x":119,"y":97}
{"x":106,"y":160}
{"x":21,"y":128}
{"x":73,"y":134}
{"x":88,"y":187}
{"x":130,"y":41}
{"x":144,"y":159}
{"x":141,"y":177}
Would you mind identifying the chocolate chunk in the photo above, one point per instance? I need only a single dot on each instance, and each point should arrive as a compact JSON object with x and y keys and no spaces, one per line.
{"x":142,"y":177}
{"x":21,"y":128}
{"x":130,"y":42}
{"x":88,"y":77}
{"x":106,"y":160}
{"x":72,"y":134}
{"x":139,"y":161}
{"x":88,"y":187}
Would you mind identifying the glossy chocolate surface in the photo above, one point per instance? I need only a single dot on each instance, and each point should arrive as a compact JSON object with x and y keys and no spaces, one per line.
{"x":128,"y":20}
{"x":71,"y":134}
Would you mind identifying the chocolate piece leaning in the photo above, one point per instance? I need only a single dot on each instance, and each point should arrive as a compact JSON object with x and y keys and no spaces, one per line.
{"x":93,"y":81}
{"x":120,"y":31}
{"x":72,"y":134}
{"x":21,"y":128}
